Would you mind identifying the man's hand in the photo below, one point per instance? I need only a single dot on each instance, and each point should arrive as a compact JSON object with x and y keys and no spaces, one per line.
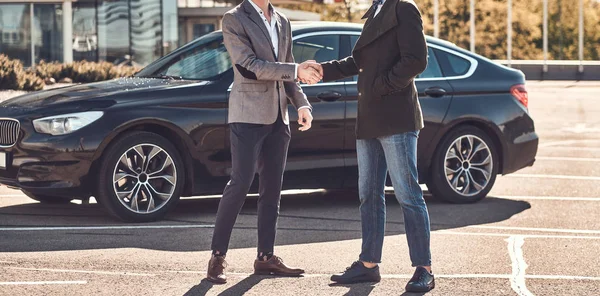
{"x":310,"y":72}
{"x":304,"y":119}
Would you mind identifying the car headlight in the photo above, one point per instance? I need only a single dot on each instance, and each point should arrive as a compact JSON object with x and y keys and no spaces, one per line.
{"x":65,"y":124}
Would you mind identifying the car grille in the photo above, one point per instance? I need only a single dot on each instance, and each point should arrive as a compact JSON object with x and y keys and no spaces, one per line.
{"x":9,"y":132}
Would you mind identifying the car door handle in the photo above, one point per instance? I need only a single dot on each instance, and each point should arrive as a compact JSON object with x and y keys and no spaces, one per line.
{"x":329,"y":96}
{"x":435,"y":92}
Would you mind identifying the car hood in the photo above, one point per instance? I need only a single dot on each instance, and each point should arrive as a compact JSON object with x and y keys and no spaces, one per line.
{"x":107,"y":91}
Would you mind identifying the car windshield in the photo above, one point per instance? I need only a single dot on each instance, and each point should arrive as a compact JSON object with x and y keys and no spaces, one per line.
{"x":204,"y":59}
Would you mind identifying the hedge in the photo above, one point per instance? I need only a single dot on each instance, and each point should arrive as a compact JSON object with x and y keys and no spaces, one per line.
{"x":14,"y":76}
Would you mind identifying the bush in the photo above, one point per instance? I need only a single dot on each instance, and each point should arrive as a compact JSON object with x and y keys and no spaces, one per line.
{"x":14,"y":76}
{"x":86,"y":72}
{"x":49,"y":70}
{"x":31,"y":82}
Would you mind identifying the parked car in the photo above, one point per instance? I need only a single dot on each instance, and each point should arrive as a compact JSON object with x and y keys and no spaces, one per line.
{"x":138,"y":144}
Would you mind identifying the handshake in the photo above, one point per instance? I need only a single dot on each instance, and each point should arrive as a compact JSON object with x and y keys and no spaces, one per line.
{"x":310,"y":72}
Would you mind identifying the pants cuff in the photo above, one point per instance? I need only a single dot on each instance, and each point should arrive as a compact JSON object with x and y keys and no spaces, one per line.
{"x":370,"y":260}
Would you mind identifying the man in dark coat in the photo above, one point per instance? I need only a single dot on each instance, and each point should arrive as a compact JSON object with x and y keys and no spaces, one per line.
{"x":387,"y":57}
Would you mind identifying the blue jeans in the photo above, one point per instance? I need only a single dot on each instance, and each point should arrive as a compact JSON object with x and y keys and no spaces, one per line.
{"x":398,"y":154}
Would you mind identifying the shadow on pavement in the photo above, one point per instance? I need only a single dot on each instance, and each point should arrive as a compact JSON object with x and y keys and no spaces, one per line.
{"x":200,"y":289}
{"x":243,"y":286}
{"x":305,"y":218}
{"x":356,"y":289}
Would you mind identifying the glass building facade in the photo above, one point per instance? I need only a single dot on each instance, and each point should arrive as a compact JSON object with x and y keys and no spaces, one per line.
{"x":118,"y":31}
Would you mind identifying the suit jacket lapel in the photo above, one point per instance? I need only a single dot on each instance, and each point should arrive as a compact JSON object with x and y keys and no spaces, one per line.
{"x":282,"y":35}
{"x":255,"y":17}
{"x":375,"y":27}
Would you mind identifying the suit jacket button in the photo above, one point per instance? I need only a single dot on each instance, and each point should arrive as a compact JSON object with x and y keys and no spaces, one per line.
{"x":359,"y":94}
{"x":361,"y":70}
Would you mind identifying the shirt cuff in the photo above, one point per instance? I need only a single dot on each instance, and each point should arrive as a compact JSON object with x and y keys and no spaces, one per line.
{"x":296,"y":73}
{"x":303,"y":107}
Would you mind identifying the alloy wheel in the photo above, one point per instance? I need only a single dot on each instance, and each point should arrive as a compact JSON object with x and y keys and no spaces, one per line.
{"x":468,"y":165}
{"x":144,"y":178}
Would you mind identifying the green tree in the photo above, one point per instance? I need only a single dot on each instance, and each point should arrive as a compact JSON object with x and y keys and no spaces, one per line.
{"x":563,"y":30}
{"x":347,"y":11}
{"x":491,"y":25}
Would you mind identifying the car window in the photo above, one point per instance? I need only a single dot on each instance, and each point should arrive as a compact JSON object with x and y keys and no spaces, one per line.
{"x":452,"y":65}
{"x":321,"y":48}
{"x":433,"y":69}
{"x":205,"y":61}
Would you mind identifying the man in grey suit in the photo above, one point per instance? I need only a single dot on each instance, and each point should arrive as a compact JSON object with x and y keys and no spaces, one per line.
{"x":259,"y":41}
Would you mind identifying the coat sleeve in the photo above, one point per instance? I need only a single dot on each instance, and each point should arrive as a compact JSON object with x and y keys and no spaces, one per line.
{"x":292,"y":89}
{"x":413,"y":52}
{"x":244,"y":58}
{"x":336,"y":70}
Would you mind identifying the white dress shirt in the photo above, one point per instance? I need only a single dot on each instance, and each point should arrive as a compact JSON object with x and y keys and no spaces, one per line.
{"x":271,"y":27}
{"x":273,"y":33}
{"x":379,"y":8}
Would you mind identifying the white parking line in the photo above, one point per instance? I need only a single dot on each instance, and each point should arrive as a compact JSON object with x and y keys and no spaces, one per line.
{"x":491,"y":234}
{"x":310,"y":275}
{"x":82,"y":271}
{"x":44,"y":283}
{"x":574,"y":148}
{"x":517,"y":280}
{"x":582,"y":159}
{"x":444,"y":232}
{"x":567,"y":142}
{"x":562,"y":198}
{"x":575,"y":231}
{"x":120,"y":227}
{"x":562,"y":177}
{"x":448,"y":276}
{"x":562,"y":277}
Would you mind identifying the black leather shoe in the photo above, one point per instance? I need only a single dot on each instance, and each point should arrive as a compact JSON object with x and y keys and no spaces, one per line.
{"x":422,"y":281}
{"x":357,"y":273}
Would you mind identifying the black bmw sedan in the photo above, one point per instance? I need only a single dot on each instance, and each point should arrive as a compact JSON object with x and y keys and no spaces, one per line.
{"x":139,"y":144}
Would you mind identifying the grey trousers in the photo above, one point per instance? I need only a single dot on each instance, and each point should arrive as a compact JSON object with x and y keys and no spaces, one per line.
{"x":254,"y":148}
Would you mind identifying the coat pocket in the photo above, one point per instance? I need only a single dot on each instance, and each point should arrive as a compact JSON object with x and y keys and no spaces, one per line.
{"x":399,"y":109}
{"x":252,"y":87}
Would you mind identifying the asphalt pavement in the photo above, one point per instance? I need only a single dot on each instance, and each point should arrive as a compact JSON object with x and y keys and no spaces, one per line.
{"x":538,"y":232}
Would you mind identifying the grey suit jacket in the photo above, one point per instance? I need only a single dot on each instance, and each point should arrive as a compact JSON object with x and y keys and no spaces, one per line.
{"x":262,"y":82}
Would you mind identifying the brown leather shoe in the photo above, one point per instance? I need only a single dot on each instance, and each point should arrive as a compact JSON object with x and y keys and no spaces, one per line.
{"x":275,"y":266}
{"x":216,"y":268}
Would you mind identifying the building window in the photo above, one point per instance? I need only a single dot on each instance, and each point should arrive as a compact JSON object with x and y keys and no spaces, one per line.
{"x":48,"y":32}
{"x":85,"y":34}
{"x":146,"y":31}
{"x":113,"y":31}
{"x":170,"y":28}
{"x":15,"y":29}
{"x":204,"y":3}
{"x":118,"y":31}
{"x":202,"y":29}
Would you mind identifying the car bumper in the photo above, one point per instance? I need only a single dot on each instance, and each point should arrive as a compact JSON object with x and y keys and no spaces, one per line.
{"x":521,"y":153}
{"x":50,"y":165}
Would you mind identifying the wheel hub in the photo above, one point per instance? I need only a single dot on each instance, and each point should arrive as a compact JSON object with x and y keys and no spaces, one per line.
{"x":145,"y":178}
{"x":468,"y":165}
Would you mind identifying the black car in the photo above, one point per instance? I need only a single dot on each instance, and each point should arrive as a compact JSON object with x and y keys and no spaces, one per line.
{"x":137,"y":144}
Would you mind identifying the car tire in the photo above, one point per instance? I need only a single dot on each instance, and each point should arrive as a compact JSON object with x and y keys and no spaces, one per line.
{"x":134,"y":190}
{"x":47,"y":199}
{"x":457,"y":179}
